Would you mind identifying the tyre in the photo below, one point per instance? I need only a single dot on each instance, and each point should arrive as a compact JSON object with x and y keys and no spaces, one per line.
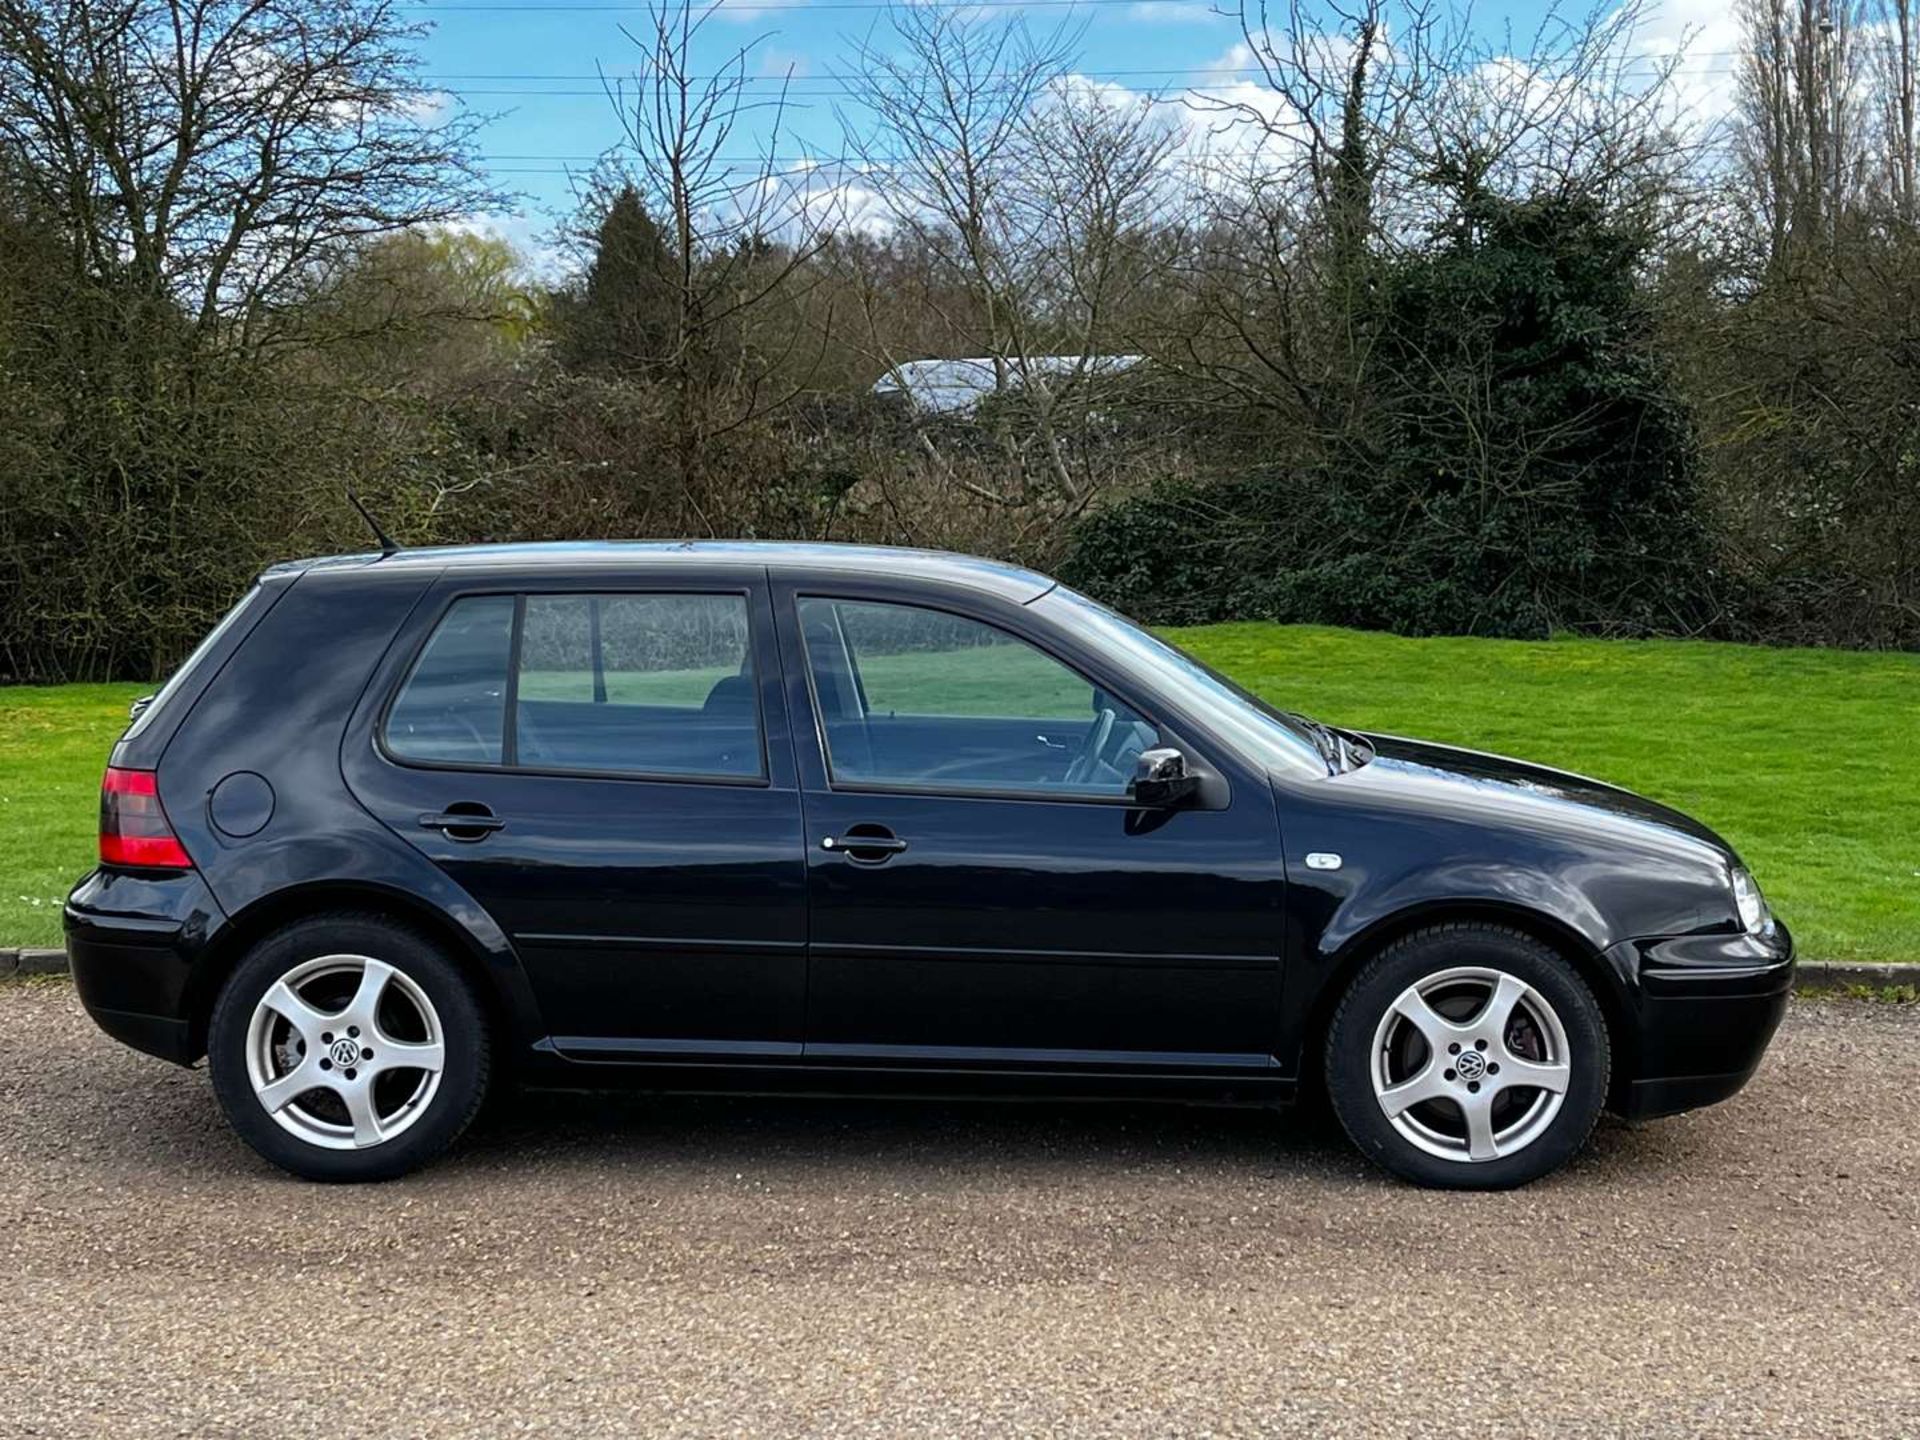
{"x":346,"y":1047}
{"x":1468,"y":1056}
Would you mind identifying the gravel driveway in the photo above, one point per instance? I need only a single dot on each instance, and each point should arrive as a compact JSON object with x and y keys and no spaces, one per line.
{"x":586,"y":1265}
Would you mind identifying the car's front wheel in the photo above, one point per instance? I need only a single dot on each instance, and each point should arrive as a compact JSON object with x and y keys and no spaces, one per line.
{"x":347,"y":1048}
{"x":1468,"y":1056}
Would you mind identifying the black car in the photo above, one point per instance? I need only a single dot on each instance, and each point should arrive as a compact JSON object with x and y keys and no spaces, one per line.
{"x":733,"y":816}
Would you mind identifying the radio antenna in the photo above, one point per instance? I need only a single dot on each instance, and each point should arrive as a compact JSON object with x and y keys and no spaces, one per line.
{"x":388,"y":545}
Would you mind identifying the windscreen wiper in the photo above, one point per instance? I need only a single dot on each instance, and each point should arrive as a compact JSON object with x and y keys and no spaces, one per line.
{"x":1328,"y":742}
{"x":1340,"y":751}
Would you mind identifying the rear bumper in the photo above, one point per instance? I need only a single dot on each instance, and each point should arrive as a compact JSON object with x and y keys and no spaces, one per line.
{"x":1708,"y":1008}
{"x":131,"y":941}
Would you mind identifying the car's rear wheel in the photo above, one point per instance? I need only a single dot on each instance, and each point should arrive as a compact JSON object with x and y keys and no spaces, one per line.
{"x":345,"y":1047}
{"x":1468,"y":1056}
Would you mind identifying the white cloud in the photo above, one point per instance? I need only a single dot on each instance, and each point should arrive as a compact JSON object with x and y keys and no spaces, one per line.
{"x":1233,"y":122}
{"x":531,"y":238}
{"x":1703,"y":39}
{"x":429,"y":107}
{"x":850,"y":205}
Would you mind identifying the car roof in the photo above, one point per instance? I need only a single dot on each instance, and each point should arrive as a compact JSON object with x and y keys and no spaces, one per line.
{"x":656,"y":556}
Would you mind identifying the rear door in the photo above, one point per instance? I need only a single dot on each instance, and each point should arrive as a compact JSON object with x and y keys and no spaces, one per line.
{"x":982,"y":893}
{"x":604,"y":766}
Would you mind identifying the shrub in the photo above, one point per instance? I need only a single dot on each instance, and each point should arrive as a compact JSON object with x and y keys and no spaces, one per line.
{"x":1520,"y":462}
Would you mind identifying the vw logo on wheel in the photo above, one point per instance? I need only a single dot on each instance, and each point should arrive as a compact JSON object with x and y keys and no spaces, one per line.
{"x":343,"y":1053}
{"x":1471,"y":1065}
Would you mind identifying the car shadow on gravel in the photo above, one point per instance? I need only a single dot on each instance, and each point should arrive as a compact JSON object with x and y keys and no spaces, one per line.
{"x":180,"y":1131}
{"x":814,"y":1132}
{"x":910,"y":1136}
{"x":604,"y":1133}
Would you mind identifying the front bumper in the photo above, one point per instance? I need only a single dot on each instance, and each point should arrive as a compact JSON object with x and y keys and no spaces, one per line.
{"x":1708,"y":1006}
{"x":132,"y":940}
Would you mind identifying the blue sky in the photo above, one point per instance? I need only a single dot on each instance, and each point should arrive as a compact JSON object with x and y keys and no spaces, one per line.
{"x":534,"y":65}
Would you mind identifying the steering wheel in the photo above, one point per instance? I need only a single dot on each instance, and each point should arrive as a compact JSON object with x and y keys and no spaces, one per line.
{"x":1098,"y":733}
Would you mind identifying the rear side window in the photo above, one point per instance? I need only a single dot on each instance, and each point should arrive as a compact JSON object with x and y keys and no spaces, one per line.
{"x":608,"y":684}
{"x":453,"y":708}
{"x":648,"y":684}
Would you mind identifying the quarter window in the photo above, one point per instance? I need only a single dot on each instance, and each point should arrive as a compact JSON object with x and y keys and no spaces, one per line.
{"x":923,"y":698}
{"x":453,"y":707}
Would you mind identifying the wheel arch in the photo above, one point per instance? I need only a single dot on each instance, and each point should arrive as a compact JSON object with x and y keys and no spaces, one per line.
{"x":285,"y":907}
{"x":1548,"y":929}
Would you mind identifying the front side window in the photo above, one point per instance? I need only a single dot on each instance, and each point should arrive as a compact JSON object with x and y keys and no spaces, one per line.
{"x":621,"y":683}
{"x":922,"y":698}
{"x":649,"y":684}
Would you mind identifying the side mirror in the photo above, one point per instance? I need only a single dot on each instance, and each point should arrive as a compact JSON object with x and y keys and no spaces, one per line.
{"x":1161,"y":779}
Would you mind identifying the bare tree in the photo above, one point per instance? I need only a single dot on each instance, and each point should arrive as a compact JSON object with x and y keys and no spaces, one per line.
{"x":1036,"y":196}
{"x":941,"y":119}
{"x":1373,"y":122}
{"x":740,"y":233}
{"x":1301,"y":183}
{"x":1346,"y":91}
{"x":1368,"y":104}
{"x":205,"y":153}
{"x":1575,"y":108}
{"x":1894,"y":58}
{"x":1802,"y":120}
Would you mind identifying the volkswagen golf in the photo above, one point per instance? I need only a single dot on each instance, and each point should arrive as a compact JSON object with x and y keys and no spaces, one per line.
{"x":713,"y":816}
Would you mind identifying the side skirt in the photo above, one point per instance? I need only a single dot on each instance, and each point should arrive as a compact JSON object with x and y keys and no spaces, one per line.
{"x":555,"y":1064}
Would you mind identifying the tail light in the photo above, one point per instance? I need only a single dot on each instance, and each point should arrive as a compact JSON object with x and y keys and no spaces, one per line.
{"x":134,"y":829}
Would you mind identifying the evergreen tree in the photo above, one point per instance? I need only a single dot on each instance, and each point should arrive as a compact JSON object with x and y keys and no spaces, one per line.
{"x":623,"y":317}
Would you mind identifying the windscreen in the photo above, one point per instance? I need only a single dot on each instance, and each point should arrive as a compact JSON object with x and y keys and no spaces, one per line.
{"x":1274,"y":736}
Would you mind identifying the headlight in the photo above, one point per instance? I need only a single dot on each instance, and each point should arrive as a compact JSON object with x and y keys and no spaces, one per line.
{"x":1751,"y":904}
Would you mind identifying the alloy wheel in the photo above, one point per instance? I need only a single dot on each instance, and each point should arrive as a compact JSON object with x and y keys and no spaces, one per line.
{"x":1470,"y":1064}
{"x":345,"y":1051}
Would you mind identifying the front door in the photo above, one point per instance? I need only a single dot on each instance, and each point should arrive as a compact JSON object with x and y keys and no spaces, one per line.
{"x":982,"y":894}
{"x":607,"y":772}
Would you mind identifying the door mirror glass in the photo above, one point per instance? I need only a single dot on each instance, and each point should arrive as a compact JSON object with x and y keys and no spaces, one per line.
{"x":1161,"y":779}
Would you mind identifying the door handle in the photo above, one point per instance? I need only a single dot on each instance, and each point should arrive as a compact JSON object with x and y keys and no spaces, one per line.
{"x":475,"y":823}
{"x":870,"y":848}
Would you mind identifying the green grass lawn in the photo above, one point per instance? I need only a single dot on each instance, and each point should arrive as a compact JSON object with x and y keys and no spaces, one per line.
{"x":53,"y":746}
{"x":1807,"y":760}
